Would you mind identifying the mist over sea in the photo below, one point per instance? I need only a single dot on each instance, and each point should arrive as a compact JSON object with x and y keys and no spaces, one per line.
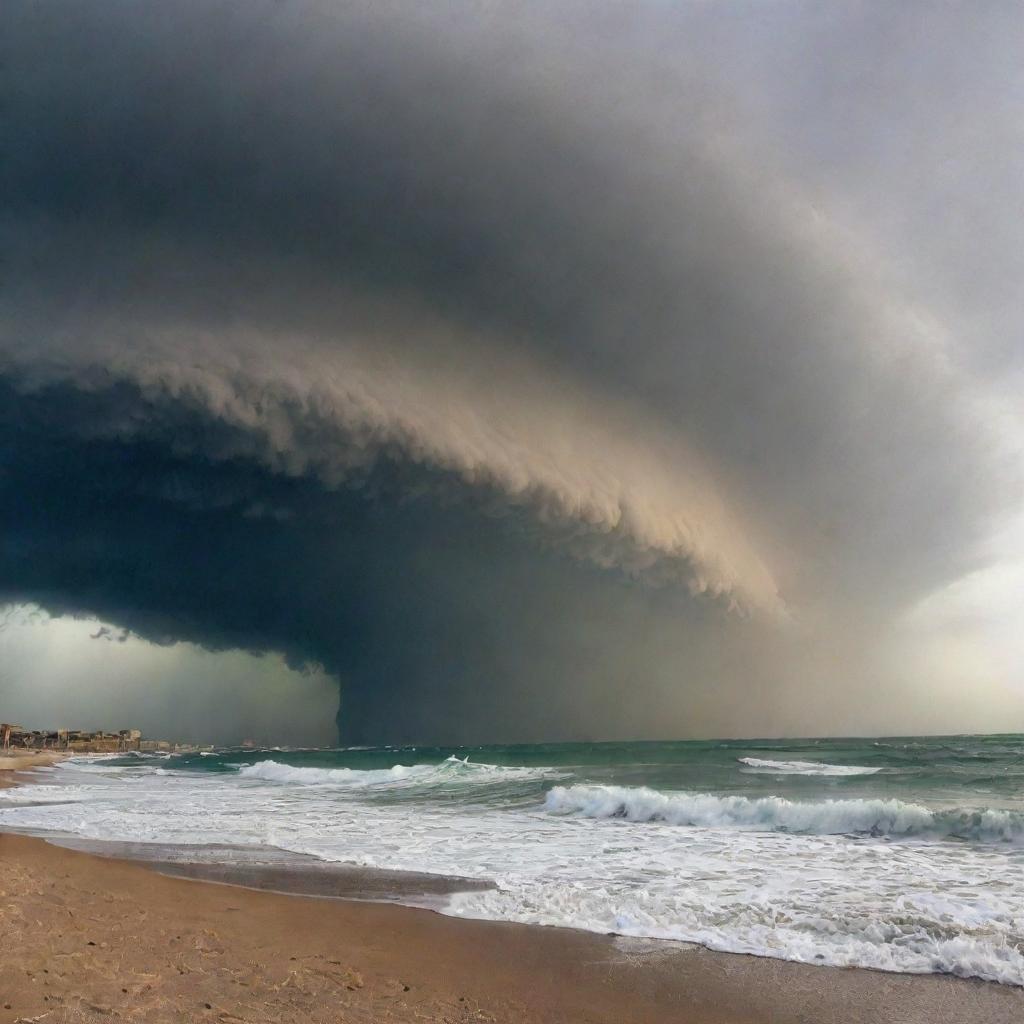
{"x":900,"y":854}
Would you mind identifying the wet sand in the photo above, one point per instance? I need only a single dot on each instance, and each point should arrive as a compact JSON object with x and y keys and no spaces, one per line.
{"x":14,"y":761}
{"x":87,"y":938}
{"x":273,"y":870}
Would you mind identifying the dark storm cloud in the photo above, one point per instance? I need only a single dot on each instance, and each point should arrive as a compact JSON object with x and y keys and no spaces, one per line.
{"x":416,"y":342}
{"x":419,"y":611}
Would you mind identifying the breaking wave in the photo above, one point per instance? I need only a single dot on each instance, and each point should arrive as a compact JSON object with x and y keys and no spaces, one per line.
{"x":451,"y":769}
{"x":899,"y":880}
{"x":806,"y":767}
{"x":274,"y":771}
{"x":777,"y":814}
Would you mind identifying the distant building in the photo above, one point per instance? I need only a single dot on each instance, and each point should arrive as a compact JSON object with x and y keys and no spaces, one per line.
{"x":76,"y":740}
{"x":5,"y":734}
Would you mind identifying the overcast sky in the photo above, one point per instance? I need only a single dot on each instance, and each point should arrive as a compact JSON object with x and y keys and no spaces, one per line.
{"x":527,"y":370}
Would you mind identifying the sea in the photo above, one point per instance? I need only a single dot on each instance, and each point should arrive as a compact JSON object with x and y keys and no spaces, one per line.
{"x":899,"y":854}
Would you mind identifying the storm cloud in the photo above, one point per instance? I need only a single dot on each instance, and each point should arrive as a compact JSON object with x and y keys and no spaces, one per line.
{"x":485,"y":355}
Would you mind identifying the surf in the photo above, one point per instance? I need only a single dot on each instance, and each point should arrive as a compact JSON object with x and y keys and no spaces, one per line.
{"x":871,"y":817}
{"x":452,"y":769}
{"x":912,"y":868}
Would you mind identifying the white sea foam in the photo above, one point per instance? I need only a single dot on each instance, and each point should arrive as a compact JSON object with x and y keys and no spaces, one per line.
{"x":832,"y":927}
{"x":90,"y":767}
{"x":274,"y":771}
{"x":777,"y":814}
{"x":606,"y":859}
{"x":805,"y":767}
{"x":452,"y":769}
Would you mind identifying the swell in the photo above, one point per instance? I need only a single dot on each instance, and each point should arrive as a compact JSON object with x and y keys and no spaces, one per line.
{"x":894,"y":818}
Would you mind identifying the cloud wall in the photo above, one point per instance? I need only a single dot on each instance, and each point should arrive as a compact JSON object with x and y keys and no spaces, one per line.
{"x":479,"y":354}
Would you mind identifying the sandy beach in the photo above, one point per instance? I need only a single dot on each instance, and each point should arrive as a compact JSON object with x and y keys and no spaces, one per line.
{"x":86,"y":938}
{"x":13,"y":762}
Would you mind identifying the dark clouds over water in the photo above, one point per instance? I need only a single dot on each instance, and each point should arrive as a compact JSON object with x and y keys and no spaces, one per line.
{"x":483,"y":354}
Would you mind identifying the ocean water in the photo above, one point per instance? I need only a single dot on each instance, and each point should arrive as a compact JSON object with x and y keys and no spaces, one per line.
{"x":899,"y":854}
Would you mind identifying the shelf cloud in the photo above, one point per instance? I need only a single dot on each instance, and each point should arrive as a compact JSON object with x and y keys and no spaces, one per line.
{"x":489,"y":357}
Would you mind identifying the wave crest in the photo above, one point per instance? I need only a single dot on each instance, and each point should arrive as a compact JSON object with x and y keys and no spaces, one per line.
{"x":806,"y":767}
{"x":451,"y":769}
{"x":776,"y":814}
{"x":275,"y":771}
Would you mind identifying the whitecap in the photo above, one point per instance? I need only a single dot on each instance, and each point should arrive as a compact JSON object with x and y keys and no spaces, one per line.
{"x":805,"y":767}
{"x":875,"y":817}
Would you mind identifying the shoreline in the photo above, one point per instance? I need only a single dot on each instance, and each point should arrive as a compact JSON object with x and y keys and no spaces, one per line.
{"x":17,"y":759}
{"x":281,"y":871}
{"x":99,"y":935}
{"x":15,"y":763}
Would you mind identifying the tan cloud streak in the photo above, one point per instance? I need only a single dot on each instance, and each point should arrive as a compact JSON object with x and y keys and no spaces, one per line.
{"x":592,"y":476}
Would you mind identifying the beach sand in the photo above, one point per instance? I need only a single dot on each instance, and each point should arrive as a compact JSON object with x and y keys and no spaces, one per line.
{"x":14,"y":761}
{"x":20,"y":760}
{"x":87,"y":938}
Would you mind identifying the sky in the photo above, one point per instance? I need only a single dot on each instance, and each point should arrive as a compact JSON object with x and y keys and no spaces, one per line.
{"x":483,"y":372}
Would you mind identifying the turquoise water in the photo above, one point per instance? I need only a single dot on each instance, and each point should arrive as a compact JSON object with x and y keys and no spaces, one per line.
{"x":905,"y":854}
{"x":941,"y":772}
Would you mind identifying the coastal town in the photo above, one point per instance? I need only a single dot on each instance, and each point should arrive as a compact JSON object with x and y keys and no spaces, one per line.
{"x":15,"y":739}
